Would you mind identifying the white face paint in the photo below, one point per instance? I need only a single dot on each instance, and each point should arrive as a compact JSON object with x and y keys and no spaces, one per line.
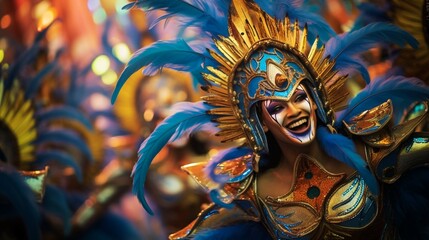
{"x":297,"y":117}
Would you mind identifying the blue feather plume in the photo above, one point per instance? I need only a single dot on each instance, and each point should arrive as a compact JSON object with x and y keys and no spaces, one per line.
{"x":344,"y":48}
{"x":370,"y":13}
{"x":189,"y":117}
{"x":343,"y":149}
{"x":209,"y":15}
{"x":66,"y":138}
{"x":295,"y":10}
{"x":27,"y":56}
{"x":63,"y":158}
{"x":174,"y":54}
{"x":107,"y":47}
{"x":402,"y":91}
{"x":55,"y":203}
{"x":407,"y":203}
{"x":64,"y":113}
{"x":36,"y":81}
{"x":248,"y":230}
{"x":14,"y":189}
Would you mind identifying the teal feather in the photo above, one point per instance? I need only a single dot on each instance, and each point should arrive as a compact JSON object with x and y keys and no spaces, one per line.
{"x":188,"y":117}
{"x":174,"y":54}
{"x":63,"y":113}
{"x":346,"y":47}
{"x":20,"y":196}
{"x":65,"y":138}
{"x":402,"y":91}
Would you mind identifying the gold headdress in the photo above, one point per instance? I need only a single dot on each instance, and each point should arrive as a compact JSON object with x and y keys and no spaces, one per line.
{"x":253,"y":30}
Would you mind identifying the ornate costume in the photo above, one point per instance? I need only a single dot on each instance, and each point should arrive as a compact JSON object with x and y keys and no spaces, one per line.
{"x":271,"y":57}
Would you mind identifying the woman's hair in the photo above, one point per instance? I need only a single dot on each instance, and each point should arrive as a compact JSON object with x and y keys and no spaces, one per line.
{"x":272,"y":158}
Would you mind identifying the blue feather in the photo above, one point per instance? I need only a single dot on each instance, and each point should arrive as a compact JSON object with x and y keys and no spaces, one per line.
{"x":370,"y":13}
{"x":110,"y":226}
{"x":407,"y":202}
{"x":343,"y":149}
{"x":36,"y":81}
{"x":189,"y":117}
{"x":66,"y":138}
{"x":295,"y":10}
{"x":20,"y":196}
{"x":174,"y":54}
{"x":55,"y":203}
{"x":46,"y":156}
{"x":64,"y":113}
{"x":346,"y":47}
{"x":401,"y":90}
{"x":243,"y":230}
{"x":208,"y":15}
{"x":107,"y":47}
{"x":223,"y":156}
{"x":26,"y":57}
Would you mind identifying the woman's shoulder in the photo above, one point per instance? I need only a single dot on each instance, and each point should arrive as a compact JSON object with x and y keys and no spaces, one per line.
{"x":390,"y":149}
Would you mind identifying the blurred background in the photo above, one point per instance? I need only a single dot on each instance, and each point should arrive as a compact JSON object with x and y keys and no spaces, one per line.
{"x":66,"y":153}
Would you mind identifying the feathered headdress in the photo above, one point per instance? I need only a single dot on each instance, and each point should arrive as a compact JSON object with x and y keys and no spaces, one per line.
{"x":281,"y":30}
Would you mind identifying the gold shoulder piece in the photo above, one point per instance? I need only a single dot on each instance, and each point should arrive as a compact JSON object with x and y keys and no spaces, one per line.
{"x":196,"y":171}
{"x":371,"y":120}
{"x":370,"y":125}
{"x":413,"y":154}
{"x":36,"y":180}
{"x":387,"y":171}
{"x":238,"y":171}
{"x":214,"y":217}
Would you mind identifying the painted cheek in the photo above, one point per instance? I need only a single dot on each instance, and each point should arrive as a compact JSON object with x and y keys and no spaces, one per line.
{"x":304,"y":105}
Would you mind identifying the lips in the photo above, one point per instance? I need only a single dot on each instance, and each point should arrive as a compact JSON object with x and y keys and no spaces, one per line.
{"x":298,"y":126}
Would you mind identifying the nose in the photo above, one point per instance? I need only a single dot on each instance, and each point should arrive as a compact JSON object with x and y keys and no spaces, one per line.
{"x":292,"y":110}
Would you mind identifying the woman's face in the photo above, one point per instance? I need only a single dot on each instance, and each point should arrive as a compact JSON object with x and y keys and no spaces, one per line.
{"x":292,"y":121}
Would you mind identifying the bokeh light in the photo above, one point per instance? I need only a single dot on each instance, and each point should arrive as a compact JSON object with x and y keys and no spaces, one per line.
{"x":1,"y":55}
{"x":47,"y":18}
{"x":100,"y":65}
{"x":109,"y":77}
{"x":119,"y":5}
{"x":40,"y":9}
{"x":99,"y":102}
{"x":122,"y":52}
{"x":5,"y":21}
{"x":99,"y":16}
{"x":148,"y":115}
{"x":93,"y":5}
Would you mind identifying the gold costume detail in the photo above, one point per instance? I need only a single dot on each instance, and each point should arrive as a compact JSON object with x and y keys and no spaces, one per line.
{"x":18,"y":115}
{"x":301,"y":210}
{"x":36,"y":180}
{"x":249,"y":29}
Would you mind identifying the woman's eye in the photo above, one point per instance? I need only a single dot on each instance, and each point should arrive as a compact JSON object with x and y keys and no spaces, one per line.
{"x":300,"y":97}
{"x":275,"y":109}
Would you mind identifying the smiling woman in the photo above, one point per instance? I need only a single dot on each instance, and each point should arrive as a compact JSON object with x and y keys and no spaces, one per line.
{"x":303,"y":169}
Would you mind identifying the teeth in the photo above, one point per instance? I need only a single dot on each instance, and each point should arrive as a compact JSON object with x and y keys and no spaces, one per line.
{"x":299,"y":122}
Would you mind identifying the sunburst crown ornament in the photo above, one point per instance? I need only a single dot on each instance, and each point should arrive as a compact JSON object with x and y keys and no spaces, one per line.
{"x":17,"y":115}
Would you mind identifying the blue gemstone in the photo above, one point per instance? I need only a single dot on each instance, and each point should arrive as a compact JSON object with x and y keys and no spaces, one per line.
{"x":308,"y":175}
{"x":313,"y":192}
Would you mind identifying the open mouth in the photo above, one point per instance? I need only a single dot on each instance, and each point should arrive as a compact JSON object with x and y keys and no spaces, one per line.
{"x":298,"y":126}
